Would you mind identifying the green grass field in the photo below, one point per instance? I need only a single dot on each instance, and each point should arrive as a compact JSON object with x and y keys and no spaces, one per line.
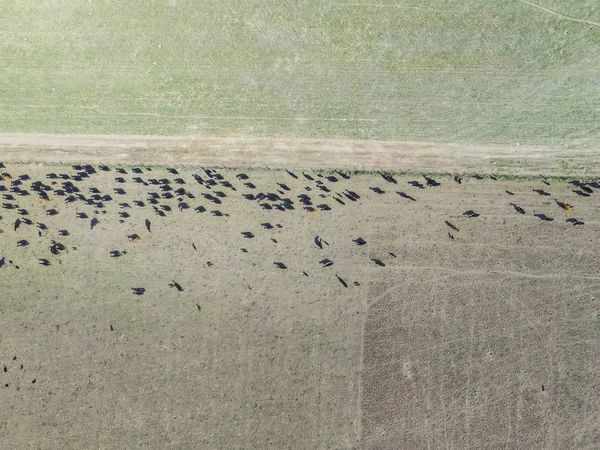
{"x":447,"y":71}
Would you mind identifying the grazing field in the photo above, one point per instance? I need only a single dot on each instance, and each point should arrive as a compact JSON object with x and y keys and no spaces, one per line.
{"x":469,"y":71}
{"x":151,"y":302}
{"x":190,"y":308}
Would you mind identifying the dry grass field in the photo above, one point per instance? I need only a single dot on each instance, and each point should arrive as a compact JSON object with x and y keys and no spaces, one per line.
{"x":486,"y":337}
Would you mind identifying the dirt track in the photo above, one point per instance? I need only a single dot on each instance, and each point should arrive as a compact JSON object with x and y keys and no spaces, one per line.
{"x":487,"y":340}
{"x":302,"y":153}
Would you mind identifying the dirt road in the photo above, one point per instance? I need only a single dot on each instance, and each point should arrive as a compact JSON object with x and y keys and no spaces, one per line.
{"x":302,"y":153}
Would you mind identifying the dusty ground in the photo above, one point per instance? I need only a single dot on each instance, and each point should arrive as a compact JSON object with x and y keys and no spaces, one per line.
{"x":487,"y":340}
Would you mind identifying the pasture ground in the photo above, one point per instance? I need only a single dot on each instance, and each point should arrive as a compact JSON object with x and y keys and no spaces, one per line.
{"x":488,"y":340}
